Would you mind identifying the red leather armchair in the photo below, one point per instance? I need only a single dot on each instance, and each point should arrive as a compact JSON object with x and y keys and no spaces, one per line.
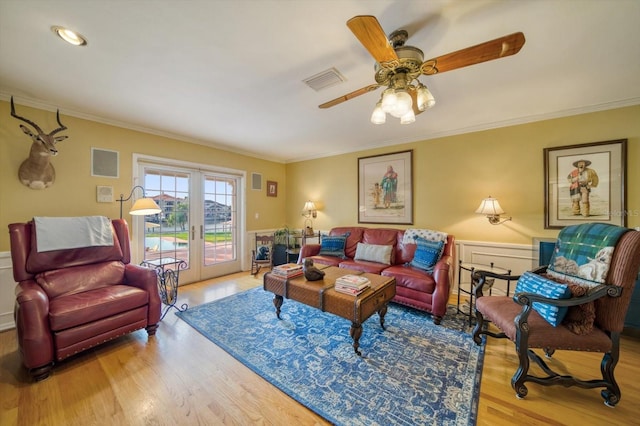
{"x":70,"y":300}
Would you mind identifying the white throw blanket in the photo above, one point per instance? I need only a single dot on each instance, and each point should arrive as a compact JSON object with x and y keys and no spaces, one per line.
{"x":60,"y":233}
{"x":411,"y":234}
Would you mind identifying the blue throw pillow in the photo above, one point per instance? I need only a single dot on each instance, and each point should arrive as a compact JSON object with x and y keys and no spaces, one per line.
{"x":333,"y":245}
{"x":533,"y":283}
{"x":427,"y":254}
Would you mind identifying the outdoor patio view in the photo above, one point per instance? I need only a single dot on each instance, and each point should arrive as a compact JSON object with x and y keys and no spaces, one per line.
{"x":170,"y":233}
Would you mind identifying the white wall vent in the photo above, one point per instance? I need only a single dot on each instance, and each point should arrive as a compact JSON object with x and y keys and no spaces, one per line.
{"x":325,"y":79}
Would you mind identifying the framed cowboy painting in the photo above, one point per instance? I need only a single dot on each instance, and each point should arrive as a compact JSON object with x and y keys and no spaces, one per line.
{"x":585,"y":183}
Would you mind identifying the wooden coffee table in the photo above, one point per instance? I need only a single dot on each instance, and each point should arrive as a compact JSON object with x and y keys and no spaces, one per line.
{"x":322,"y":295}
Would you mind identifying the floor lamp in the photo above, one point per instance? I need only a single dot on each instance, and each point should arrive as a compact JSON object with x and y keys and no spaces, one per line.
{"x":142,"y":207}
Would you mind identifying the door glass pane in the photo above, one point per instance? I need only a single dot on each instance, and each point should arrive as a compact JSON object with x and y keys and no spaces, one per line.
{"x":167,"y":233}
{"x":219,"y":219}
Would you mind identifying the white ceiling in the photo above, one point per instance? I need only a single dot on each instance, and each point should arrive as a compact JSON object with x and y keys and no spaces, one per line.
{"x":229,"y":73}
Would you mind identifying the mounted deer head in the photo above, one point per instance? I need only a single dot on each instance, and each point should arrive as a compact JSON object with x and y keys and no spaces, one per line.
{"x":37,"y":172}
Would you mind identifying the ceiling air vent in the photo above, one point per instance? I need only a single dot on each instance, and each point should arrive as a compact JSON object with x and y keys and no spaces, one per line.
{"x":324,"y":79}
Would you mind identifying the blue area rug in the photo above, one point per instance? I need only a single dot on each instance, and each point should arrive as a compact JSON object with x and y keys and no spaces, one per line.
{"x":412,"y":373}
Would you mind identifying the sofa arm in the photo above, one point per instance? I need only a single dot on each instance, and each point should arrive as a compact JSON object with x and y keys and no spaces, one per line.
{"x":308,"y":250}
{"x":147,"y":280}
{"x":31,"y":315}
{"x":442,"y":275}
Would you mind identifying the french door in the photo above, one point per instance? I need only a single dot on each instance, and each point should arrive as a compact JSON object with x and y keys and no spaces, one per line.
{"x":200,"y":222}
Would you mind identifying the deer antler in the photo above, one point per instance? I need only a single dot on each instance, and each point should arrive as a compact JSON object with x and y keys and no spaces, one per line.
{"x":62,"y":126}
{"x":35,"y":126}
{"x":26,"y":120}
{"x":36,"y":171}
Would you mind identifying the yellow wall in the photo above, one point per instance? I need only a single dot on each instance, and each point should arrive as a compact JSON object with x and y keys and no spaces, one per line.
{"x":74,"y":191}
{"x":453,"y":174}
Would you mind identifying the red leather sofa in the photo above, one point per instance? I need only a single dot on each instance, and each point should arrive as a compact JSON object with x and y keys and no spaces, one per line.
{"x":415,"y":287}
{"x":70,"y":300}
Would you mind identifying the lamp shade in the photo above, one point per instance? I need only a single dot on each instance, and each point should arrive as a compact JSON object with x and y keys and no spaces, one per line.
{"x":425,"y":99}
{"x":378,"y":116}
{"x":408,"y":118}
{"x":402,"y":105}
{"x":144,"y":206}
{"x":490,"y":206}
{"x":309,"y":205}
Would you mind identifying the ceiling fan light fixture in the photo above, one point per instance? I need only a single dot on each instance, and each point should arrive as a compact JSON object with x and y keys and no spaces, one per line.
{"x":402,"y":105}
{"x":378,"y":116}
{"x":408,"y":118}
{"x":424,"y":98}
{"x":398,"y":66}
{"x":389,"y":100}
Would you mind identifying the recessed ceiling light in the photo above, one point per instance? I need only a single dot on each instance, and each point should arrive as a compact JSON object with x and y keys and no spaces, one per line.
{"x":69,"y":36}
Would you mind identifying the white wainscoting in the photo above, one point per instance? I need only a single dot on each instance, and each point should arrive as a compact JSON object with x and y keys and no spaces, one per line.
{"x":514,"y":257}
{"x":7,"y":292}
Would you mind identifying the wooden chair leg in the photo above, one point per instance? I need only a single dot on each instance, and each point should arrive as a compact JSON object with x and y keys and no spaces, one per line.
{"x":481,"y":328}
{"x":612,"y":392}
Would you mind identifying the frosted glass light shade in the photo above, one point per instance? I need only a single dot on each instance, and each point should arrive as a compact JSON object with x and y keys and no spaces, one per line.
{"x":378,"y":116}
{"x":424,"y":98}
{"x":389,"y":99}
{"x":402,"y":105}
{"x":408,"y":118}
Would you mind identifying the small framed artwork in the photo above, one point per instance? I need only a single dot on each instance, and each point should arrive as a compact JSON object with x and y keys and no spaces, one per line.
{"x":272,"y":188}
{"x":385,"y":188}
{"x":585,"y":183}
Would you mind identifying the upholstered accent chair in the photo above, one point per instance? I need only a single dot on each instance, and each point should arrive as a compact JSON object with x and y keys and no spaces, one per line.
{"x":594,"y":318}
{"x":70,"y":300}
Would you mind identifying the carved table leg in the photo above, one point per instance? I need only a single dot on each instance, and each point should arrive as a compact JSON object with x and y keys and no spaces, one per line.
{"x":277,"y":302}
{"x":356,"y":332}
{"x":382,"y":312}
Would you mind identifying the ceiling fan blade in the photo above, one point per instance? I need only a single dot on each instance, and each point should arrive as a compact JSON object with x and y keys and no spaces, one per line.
{"x":488,"y":51}
{"x":367,"y":29}
{"x":348,"y":96}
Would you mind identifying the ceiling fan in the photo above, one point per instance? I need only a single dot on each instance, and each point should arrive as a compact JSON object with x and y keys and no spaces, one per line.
{"x":398,"y":67}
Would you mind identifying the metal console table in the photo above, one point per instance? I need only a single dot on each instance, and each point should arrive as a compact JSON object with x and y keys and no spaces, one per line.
{"x":168,"y":271}
{"x":472,"y":268}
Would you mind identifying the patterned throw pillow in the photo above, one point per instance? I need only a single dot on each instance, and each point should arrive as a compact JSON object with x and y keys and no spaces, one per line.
{"x":427,"y":254}
{"x":533,"y":283}
{"x":333,"y":245}
{"x":411,"y":234}
{"x":583,"y":253}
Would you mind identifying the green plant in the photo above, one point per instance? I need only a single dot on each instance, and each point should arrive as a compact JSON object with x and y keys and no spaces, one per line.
{"x":280,"y":236}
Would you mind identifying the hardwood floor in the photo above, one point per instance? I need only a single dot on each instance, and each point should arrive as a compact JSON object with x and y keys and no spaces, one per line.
{"x":179,"y":377}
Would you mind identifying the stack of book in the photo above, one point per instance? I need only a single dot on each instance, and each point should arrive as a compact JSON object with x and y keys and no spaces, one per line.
{"x":352,"y":284}
{"x":288,"y":270}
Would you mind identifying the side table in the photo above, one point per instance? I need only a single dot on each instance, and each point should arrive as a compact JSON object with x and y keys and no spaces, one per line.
{"x":168,"y":271}
{"x":472,"y":268}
